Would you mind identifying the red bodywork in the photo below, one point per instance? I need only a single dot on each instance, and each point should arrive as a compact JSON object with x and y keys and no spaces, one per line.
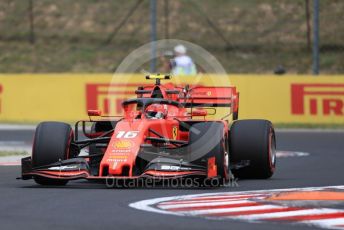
{"x":190,"y":103}
{"x":122,"y":151}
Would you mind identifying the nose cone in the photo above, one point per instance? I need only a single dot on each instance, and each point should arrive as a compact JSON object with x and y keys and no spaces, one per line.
{"x":121,"y":153}
{"x":120,"y":157}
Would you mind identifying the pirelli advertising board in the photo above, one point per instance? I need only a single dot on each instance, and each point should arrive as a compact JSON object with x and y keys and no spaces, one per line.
{"x":67,"y":97}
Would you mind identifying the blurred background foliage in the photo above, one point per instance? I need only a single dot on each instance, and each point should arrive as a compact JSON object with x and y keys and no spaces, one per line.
{"x":257,"y":35}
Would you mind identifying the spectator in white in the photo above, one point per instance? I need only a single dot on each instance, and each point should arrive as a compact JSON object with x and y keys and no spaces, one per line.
{"x":182,"y":63}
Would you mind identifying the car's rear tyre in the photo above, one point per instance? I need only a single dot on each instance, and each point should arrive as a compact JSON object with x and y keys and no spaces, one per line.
{"x":208,"y":139}
{"x":52,"y":143}
{"x":253,"y":141}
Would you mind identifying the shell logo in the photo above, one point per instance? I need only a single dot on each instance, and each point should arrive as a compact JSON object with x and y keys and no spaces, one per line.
{"x":122,"y":144}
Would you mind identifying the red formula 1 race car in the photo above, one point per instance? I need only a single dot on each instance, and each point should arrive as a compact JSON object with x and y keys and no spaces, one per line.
{"x":164,"y":133}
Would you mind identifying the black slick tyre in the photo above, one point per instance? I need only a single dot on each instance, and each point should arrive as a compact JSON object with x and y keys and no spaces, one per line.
{"x":253,"y":141}
{"x":51,"y":144}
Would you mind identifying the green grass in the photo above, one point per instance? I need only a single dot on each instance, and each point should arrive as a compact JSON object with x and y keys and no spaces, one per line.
{"x":262,"y":34}
{"x":13,"y":153}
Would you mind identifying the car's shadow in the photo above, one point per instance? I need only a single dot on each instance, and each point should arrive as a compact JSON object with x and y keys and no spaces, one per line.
{"x":98,"y":185}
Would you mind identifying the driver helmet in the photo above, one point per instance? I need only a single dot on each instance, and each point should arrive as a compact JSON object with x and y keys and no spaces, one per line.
{"x":156,"y":112}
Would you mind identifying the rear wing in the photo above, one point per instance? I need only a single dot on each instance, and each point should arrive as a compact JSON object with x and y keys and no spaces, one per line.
{"x":205,"y":96}
{"x":201,"y":96}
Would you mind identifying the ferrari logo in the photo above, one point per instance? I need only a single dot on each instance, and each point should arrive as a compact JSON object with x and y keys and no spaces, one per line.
{"x":174,"y":132}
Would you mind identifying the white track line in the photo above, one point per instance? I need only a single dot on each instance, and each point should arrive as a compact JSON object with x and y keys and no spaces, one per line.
{"x":209,"y":200}
{"x":17,"y":127}
{"x":228,"y":210}
{"x":9,"y":163}
{"x":214,"y":198}
{"x":332,"y":223}
{"x":146,"y":206}
{"x":206,"y":204}
{"x":290,"y":214}
{"x":249,"y":192}
{"x":202,"y":205}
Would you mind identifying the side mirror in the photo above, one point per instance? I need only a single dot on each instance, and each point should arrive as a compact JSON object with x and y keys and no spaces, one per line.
{"x":199,"y":113}
{"x":94,"y":112}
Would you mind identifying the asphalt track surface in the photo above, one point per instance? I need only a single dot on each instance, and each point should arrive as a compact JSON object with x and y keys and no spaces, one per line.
{"x":81,"y":205}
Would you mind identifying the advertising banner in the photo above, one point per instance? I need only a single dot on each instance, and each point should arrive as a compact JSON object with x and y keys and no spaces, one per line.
{"x":67,"y":97}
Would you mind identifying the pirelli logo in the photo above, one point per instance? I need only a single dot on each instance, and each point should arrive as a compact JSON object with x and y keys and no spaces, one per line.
{"x":317,"y":99}
{"x":108,"y":97}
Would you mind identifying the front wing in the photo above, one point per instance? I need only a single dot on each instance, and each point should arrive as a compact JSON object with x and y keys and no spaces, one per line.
{"x":78,"y":168}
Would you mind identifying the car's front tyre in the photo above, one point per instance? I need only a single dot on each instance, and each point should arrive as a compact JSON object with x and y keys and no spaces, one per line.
{"x":52,"y":143}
